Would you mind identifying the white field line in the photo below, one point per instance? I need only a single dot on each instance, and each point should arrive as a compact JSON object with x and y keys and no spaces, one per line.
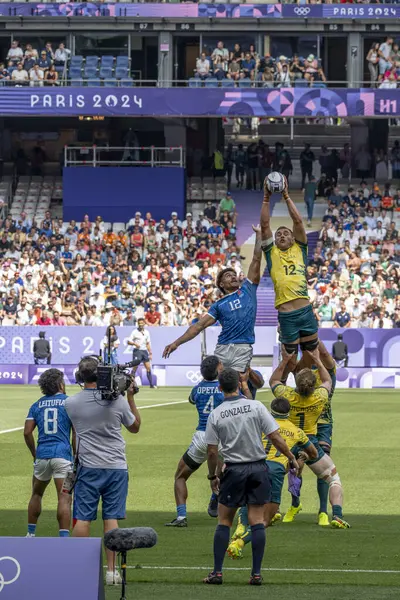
{"x":139,"y":407}
{"x":288,"y":570}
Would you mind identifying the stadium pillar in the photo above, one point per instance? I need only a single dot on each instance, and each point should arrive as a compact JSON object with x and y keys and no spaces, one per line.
{"x":165,"y":58}
{"x":355,"y":60}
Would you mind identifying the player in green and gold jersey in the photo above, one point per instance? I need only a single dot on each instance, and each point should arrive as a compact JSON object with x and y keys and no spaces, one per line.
{"x":278,"y":467}
{"x":307,"y":405}
{"x":286,"y":257}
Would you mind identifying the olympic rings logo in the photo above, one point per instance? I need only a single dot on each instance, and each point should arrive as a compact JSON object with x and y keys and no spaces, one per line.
{"x":18,"y":573}
{"x":193,"y":376}
{"x":302,"y":11}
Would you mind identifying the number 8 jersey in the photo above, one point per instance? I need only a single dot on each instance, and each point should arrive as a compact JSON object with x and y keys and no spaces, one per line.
{"x":205,"y":396}
{"x":288,"y":271}
{"x":54,"y":427}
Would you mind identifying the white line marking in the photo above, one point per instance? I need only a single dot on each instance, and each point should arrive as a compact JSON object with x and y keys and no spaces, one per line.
{"x":288,"y":570}
{"x":139,"y":407}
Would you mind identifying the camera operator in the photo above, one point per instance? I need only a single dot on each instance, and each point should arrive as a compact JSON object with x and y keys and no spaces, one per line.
{"x":102,"y":471}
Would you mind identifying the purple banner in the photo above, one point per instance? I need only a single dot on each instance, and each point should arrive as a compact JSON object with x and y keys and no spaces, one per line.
{"x":14,"y":374}
{"x":192,"y":11}
{"x":22,"y":561}
{"x":354,"y":377}
{"x":173,"y":102}
{"x":68,"y":344}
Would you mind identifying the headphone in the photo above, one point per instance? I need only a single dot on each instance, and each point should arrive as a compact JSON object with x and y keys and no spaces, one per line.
{"x":78,"y":374}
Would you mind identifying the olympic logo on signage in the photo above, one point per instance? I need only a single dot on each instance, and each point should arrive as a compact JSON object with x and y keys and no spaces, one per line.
{"x":302,"y":11}
{"x":193,"y":376}
{"x":3,"y":582}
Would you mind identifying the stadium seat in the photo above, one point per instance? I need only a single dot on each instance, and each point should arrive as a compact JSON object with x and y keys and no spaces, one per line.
{"x":106,"y":73}
{"x":127,"y":82}
{"x":123,"y":61}
{"x":90,"y":72}
{"x":227,"y":83}
{"x":76,"y":61}
{"x":110,"y":82}
{"x":245,"y":83}
{"x":319,"y":84}
{"x":195,"y":82}
{"x":76,"y":82}
{"x":301,"y":83}
{"x":118,"y":227}
{"x":94,"y":82}
{"x":75,"y":73}
{"x":107,"y":61}
{"x":92,"y":61}
{"x":121,"y":72}
{"x":211,"y":82}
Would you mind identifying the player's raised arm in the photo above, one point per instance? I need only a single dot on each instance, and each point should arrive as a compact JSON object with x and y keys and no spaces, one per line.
{"x":326,"y":380}
{"x":299,"y":231}
{"x":265,"y":217}
{"x":254,"y":273}
{"x":189,"y":334}
{"x":286,"y":366}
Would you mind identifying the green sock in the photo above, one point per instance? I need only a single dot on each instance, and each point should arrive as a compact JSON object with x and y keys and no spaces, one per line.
{"x":337,"y":511}
{"x":323,"y":492}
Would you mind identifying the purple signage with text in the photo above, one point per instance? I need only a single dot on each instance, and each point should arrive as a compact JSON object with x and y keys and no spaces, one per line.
{"x":14,"y":374}
{"x":201,"y":10}
{"x":178,"y":102}
{"x":73,"y":568}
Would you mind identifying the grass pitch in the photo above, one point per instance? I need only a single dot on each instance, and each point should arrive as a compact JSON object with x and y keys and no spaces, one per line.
{"x":302,"y":561}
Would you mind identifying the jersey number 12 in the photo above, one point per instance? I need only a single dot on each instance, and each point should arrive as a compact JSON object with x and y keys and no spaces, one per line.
{"x":290,"y":269}
{"x":50,"y":421}
{"x":235,"y":304}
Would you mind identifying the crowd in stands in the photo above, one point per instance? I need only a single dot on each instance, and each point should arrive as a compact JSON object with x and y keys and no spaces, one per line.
{"x":55,"y":273}
{"x":32,"y":66}
{"x":245,"y":67}
{"x":353,"y":276}
{"x":383,"y":61}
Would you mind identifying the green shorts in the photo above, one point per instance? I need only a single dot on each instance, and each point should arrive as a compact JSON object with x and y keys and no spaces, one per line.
{"x":314,"y":440}
{"x":324,"y":434}
{"x":277,"y":474}
{"x":297,"y":324}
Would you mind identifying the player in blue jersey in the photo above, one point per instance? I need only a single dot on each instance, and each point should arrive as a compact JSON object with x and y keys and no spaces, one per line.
{"x":205,"y":396}
{"x":236,"y":313}
{"x":53,"y":453}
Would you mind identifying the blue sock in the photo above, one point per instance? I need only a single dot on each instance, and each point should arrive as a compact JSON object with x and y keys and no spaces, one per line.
{"x":243,"y":516}
{"x":31,"y":528}
{"x":337,"y":511}
{"x":257,"y":546}
{"x":323,"y":492}
{"x":63,"y":533}
{"x":213,"y":497}
{"x":181,"y":510}
{"x":221,"y":543}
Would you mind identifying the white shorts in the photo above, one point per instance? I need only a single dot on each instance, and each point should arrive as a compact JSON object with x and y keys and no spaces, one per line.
{"x":46,"y":468}
{"x":235,"y":356}
{"x":197,"y":450}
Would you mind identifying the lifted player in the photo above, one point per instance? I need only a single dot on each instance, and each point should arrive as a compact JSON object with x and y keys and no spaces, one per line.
{"x":235,"y":311}
{"x":278,"y":466}
{"x":307,"y":404}
{"x":205,"y":396}
{"x":287,"y":261}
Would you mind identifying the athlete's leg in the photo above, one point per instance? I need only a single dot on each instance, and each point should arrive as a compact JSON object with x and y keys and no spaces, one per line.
{"x":256,"y":520}
{"x":182,"y":474}
{"x":147,"y":366}
{"x":35,"y":504}
{"x":325,"y":469}
{"x":63,"y":508}
{"x":270,"y":511}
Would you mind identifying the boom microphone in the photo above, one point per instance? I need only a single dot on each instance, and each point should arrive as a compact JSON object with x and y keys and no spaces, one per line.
{"x":122,"y":540}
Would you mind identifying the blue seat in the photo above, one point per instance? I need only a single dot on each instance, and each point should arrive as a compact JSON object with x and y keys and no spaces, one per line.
{"x":90,"y":72}
{"x":92,"y":61}
{"x":112,"y":82}
{"x":127,"y":82}
{"x":107,"y":61}
{"x":195,"y":82}
{"x":245,"y":83}
{"x":319,"y":84}
{"x":227,"y":83}
{"x":106,"y":72}
{"x":123,"y":61}
{"x":211,"y":82}
{"x":76,"y":61}
{"x":94,"y":82}
{"x":301,"y":83}
{"x":76,"y":83}
{"x":75,"y":73}
{"x":121,"y":72}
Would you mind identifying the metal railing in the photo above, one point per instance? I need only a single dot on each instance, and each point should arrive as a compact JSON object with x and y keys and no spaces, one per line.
{"x":144,"y":156}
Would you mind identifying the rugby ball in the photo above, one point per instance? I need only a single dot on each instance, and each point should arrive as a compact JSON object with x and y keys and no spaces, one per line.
{"x":275,"y":182}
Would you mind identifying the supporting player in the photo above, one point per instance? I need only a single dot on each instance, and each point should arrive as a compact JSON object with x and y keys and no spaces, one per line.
{"x":278,"y":465}
{"x":324,"y":431}
{"x":205,"y":396}
{"x":287,"y":261}
{"x":307,"y":403}
{"x":140,"y":340}
{"x":53,"y":454}
{"x":236,"y":313}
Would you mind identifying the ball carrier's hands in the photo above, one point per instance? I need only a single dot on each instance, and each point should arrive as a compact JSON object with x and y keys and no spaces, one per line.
{"x":299,"y":231}
{"x":265,"y":216}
